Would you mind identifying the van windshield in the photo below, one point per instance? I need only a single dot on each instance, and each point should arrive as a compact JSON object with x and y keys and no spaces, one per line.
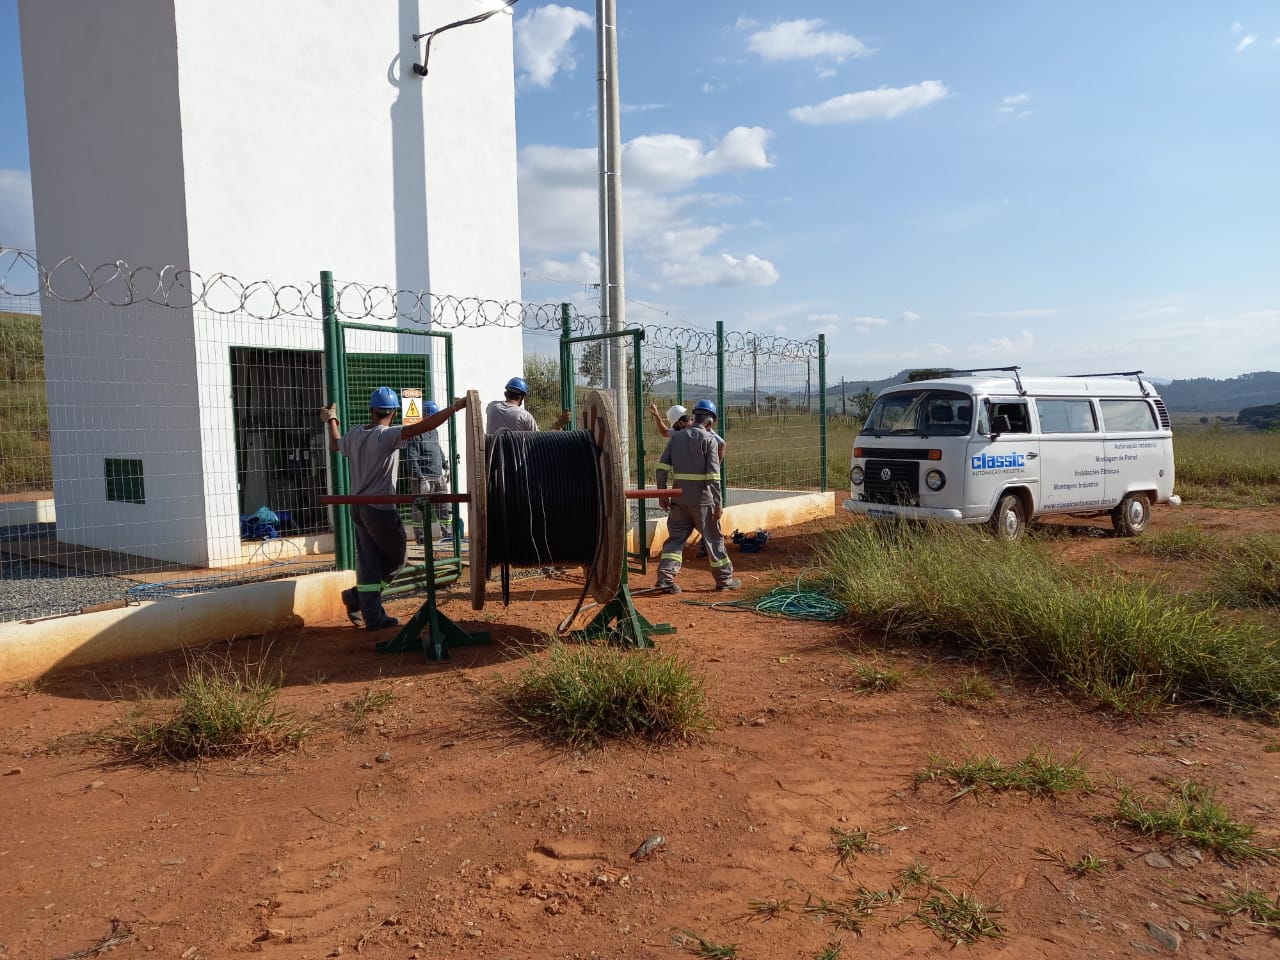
{"x":921,"y":413}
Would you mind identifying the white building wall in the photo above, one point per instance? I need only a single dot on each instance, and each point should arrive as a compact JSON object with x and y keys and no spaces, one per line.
{"x":106,"y":169}
{"x":267,"y":141}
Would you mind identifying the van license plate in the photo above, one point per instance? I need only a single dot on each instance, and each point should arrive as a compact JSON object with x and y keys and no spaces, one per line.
{"x":880,"y":514}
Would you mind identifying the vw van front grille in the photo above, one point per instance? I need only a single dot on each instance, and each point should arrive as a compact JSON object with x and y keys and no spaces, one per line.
{"x":893,"y":481}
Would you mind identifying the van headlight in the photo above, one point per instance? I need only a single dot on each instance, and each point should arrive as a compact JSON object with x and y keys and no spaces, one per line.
{"x":935,"y":480}
{"x":856,"y":475}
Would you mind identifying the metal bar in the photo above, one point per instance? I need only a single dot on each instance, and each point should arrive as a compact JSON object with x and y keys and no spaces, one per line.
{"x":822,"y":412}
{"x":723,"y":424}
{"x":567,"y":392}
{"x":451,"y":388}
{"x":637,"y":385}
{"x":391,"y":498}
{"x":680,"y":375}
{"x":338,"y":482}
{"x":588,"y":337}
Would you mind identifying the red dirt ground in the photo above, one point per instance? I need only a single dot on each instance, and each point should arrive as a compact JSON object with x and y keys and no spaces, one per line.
{"x":473,"y":840}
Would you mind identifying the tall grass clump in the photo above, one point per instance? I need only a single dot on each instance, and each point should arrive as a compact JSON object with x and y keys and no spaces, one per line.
{"x":1221,"y":465}
{"x":221,"y":711}
{"x":1250,"y":574}
{"x":1118,"y":641}
{"x":1180,"y":543}
{"x":584,"y":696}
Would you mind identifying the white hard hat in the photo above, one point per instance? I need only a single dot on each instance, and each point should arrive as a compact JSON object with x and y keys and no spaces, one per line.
{"x":675,"y":413}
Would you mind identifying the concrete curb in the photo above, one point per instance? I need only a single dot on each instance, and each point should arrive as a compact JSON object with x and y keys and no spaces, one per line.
{"x":765,"y":514}
{"x":29,"y":650}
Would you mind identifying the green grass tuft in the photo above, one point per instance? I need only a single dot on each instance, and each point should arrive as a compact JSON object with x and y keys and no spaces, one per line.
{"x":373,"y":700}
{"x":849,"y":843}
{"x":1192,"y":814}
{"x":1037,"y":774}
{"x":874,"y":677}
{"x":968,"y":692}
{"x":221,"y":712}
{"x":959,"y":917}
{"x":697,"y":944}
{"x":584,"y":696}
{"x":1252,"y":903}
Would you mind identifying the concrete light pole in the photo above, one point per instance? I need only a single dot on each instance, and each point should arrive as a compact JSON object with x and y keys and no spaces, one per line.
{"x":612,"y":299}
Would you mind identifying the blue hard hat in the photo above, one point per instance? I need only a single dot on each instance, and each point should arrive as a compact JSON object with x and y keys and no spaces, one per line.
{"x":384,"y":398}
{"x":706,"y":406}
{"x":429,"y":407}
{"x":517,"y":385}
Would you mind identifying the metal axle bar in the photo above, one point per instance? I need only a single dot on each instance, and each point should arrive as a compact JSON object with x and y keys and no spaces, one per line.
{"x":329,"y":500}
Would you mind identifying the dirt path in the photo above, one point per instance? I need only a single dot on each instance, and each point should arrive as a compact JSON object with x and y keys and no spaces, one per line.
{"x":470,"y":840}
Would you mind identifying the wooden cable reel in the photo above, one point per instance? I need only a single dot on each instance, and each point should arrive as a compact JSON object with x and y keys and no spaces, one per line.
{"x":600,"y":420}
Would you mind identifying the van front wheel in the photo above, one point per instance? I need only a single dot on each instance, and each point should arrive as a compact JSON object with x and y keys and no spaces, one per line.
{"x":1009,"y":521}
{"x":1132,"y":517}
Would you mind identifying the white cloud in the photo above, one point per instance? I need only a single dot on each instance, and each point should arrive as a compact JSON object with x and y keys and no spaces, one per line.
{"x":17,"y":221}
{"x":1237,"y":26}
{"x":909,"y":316}
{"x":885,"y":103}
{"x":1032,"y":314}
{"x":542,"y":39}
{"x":805,"y":40}
{"x":720,"y":270}
{"x":1276,"y":42}
{"x":1246,"y":42}
{"x":667,"y":161}
{"x":1002,"y":349}
{"x":667,"y":243}
{"x":1014,"y":107}
{"x":867,"y":324}
{"x":585,"y":269}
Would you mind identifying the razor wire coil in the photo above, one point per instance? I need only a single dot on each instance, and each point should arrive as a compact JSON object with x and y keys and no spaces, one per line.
{"x":119,"y":284}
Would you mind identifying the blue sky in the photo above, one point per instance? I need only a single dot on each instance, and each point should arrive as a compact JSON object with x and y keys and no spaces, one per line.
{"x":1069,"y":187}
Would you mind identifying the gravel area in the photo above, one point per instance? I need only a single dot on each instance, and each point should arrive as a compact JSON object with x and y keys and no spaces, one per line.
{"x":29,"y":589}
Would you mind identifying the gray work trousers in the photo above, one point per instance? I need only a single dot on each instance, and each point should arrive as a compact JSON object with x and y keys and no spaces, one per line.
{"x":380,"y":553}
{"x":682,"y":520}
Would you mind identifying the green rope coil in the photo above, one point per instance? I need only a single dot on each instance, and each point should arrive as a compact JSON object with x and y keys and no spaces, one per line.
{"x":791,"y":603}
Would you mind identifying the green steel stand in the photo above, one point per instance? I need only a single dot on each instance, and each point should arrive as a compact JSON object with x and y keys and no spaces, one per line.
{"x":431,"y":630}
{"x":620,"y":622}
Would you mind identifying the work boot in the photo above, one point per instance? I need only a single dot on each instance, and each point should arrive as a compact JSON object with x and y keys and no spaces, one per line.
{"x":382,"y":624}
{"x":733,"y":583}
{"x":352,"y":601}
{"x":671,"y":588}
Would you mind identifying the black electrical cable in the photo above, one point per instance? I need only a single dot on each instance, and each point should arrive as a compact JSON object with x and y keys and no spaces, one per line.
{"x":544,"y":500}
{"x":421,"y":68}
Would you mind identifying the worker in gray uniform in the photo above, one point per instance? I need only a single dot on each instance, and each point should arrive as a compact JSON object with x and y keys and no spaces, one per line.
{"x":691,"y":462}
{"x":373,"y":451}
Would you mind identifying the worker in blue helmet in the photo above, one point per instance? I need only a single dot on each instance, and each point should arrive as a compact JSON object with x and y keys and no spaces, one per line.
{"x":429,"y":473}
{"x":373,"y":451}
{"x":690,"y":467}
{"x":510,"y":413}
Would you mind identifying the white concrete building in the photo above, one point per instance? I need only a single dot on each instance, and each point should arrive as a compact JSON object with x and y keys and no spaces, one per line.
{"x":267,"y":141}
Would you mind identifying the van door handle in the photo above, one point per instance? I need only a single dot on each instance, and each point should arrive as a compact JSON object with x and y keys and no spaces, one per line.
{"x":1032,"y":456}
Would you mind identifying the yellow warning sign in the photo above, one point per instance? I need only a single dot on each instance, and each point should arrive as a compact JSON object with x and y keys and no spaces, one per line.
{"x":410,"y":405}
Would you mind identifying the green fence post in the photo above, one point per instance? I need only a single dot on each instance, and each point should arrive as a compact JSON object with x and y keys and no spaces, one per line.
{"x":822,"y":411}
{"x":566,"y":364}
{"x":723,"y":425}
{"x":637,"y":388}
{"x":338,"y":482}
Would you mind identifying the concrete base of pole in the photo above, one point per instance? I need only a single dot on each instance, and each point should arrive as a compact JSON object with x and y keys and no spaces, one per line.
{"x":30,"y":650}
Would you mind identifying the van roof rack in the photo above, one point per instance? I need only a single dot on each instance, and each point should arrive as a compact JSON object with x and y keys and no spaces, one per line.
{"x":1136,"y":374}
{"x":1014,"y":370}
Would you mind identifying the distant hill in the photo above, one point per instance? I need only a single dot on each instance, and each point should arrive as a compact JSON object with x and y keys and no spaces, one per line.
{"x":1205,"y":395}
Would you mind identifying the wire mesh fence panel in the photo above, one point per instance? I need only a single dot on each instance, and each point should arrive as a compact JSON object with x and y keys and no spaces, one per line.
{"x":159,"y":431}
{"x":771,"y":421}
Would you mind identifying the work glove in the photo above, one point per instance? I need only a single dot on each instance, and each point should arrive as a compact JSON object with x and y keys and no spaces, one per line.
{"x":329,"y":413}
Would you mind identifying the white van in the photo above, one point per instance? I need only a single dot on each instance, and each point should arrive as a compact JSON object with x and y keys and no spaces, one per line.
{"x":1001,"y":448}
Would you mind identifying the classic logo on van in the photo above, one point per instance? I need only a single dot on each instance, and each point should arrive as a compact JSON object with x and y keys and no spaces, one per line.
{"x":997,"y":461}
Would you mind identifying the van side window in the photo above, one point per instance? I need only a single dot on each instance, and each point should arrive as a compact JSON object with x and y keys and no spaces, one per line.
{"x":1119,"y":415}
{"x":1066,"y":416}
{"x":1004,"y":416}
